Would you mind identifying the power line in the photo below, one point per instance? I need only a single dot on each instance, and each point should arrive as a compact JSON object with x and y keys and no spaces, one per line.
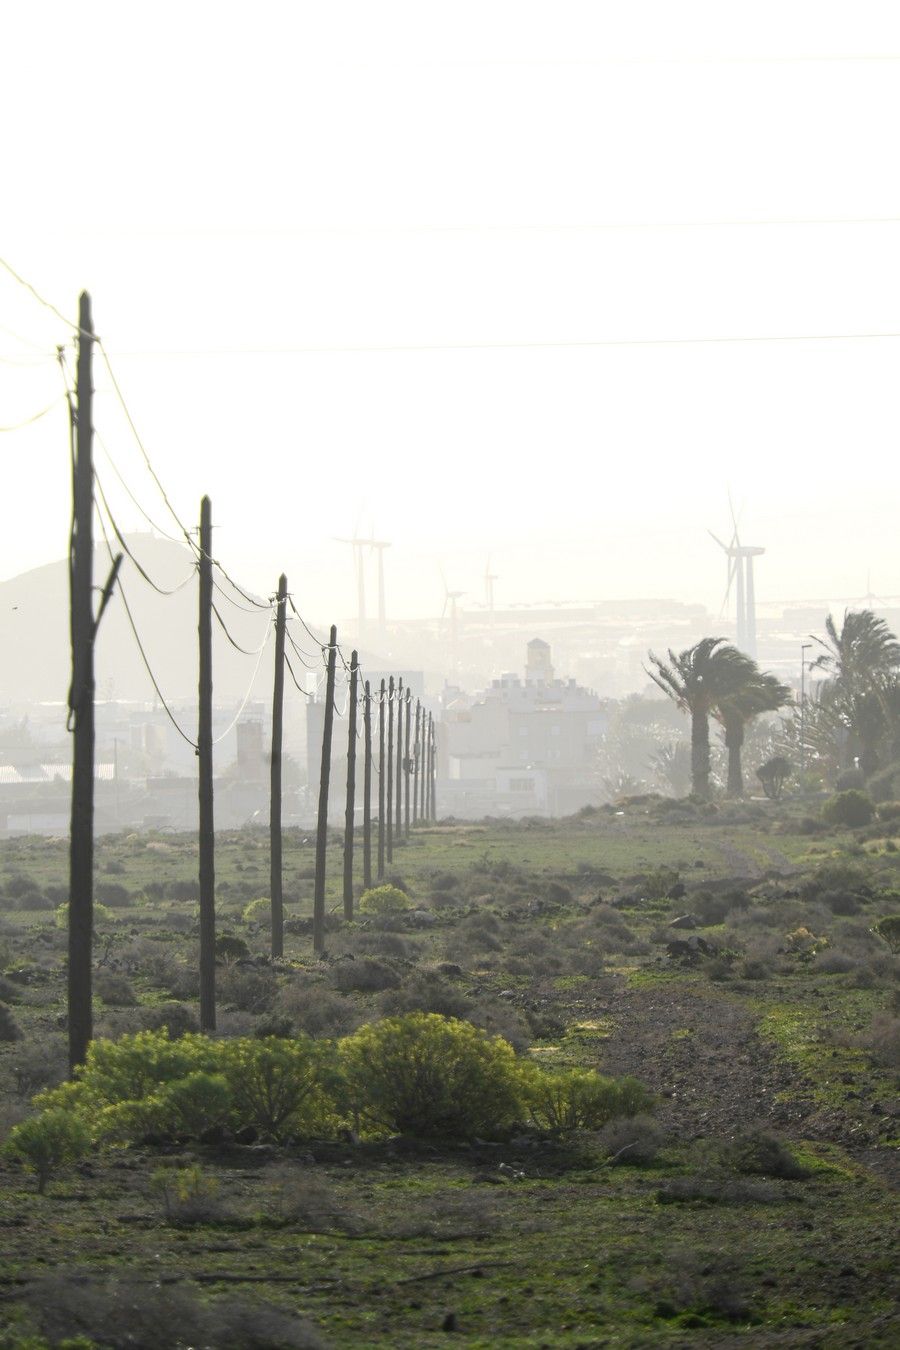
{"x":174,"y":539}
{"x":29,"y":421}
{"x":245,"y":609}
{"x":257,"y":604}
{"x":143,"y":449}
{"x":140,"y":646}
{"x":304,"y":692}
{"x":236,"y":645}
{"x":233,"y":723}
{"x":46,"y":303}
{"x":161,"y":590}
{"x":539,"y":344}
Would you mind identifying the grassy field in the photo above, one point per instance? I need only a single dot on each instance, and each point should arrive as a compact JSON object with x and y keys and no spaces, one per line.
{"x":757,"y":1207}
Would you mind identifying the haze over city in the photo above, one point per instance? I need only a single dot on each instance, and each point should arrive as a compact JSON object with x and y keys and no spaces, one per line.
{"x":360,"y":277}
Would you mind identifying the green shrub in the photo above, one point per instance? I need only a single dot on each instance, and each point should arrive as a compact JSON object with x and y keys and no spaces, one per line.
{"x":195,"y":1103}
{"x":383,"y":900}
{"x":852,"y":807}
{"x":430,"y":1076}
{"x":889,"y":812}
{"x":280,"y":1087}
{"x":118,"y":1088}
{"x":231,"y":948}
{"x":888,"y":929}
{"x":564,"y":1100}
{"x":101,"y":914}
{"x":47,"y":1142}
{"x":259,"y":911}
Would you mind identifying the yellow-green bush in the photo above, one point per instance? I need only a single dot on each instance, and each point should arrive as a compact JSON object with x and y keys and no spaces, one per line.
{"x":564,"y":1100}
{"x":259,"y":911}
{"x":48,"y":1142}
{"x":383,"y":900}
{"x":430,"y":1076}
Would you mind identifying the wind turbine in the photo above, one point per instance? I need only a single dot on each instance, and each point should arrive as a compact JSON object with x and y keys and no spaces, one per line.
{"x":450,"y":598}
{"x":357,"y":546}
{"x":489,"y":579}
{"x":740,"y":574}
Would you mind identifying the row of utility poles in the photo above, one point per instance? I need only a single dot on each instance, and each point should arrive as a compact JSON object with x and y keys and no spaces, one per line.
{"x":405,"y":764}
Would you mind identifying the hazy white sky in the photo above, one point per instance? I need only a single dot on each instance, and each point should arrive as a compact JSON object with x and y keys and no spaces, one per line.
{"x":370,"y":263}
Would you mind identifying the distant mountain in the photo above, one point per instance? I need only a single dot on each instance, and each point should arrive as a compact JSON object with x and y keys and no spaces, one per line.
{"x":34,"y":632}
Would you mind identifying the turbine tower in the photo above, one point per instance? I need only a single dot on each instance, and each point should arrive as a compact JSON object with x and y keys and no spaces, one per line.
{"x":489,"y":579}
{"x":359,"y":544}
{"x":740,"y":575}
{"x":358,"y":567}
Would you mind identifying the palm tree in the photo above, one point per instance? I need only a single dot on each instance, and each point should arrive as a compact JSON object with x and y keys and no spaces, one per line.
{"x":760,"y":692}
{"x":861,"y":660}
{"x":697,"y":680}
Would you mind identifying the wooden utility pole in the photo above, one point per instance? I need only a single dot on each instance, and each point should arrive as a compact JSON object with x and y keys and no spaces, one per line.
{"x":83,"y":632}
{"x":324,"y":780}
{"x":433,"y":730}
{"x":207,"y":842}
{"x":429,"y":753}
{"x":423,"y":771}
{"x":415,"y":794}
{"x":367,"y":789}
{"x":389,"y":769}
{"x":398,"y":830}
{"x":381,"y":783}
{"x":407,"y":764}
{"x":351,"y":788}
{"x":275,"y":868}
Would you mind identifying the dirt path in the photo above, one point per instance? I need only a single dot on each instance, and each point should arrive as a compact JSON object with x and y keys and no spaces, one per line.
{"x":715,"y":1075}
{"x":701,"y":1054}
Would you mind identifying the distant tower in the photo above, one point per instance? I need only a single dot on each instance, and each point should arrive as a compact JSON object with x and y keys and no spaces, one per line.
{"x":538,"y":665}
{"x":740,"y":575}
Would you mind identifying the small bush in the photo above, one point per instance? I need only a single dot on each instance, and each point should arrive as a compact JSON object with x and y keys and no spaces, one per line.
{"x":758,"y":1152}
{"x":259,"y":912}
{"x":888,"y":929}
{"x":47,"y":1143}
{"x":367,"y":976}
{"x":889,"y":812}
{"x":632,"y":1141}
{"x":114,"y":990}
{"x":40,"y":1064}
{"x":101,"y":915}
{"x":124,"y":1315}
{"x":564,"y":1100}
{"x":34,"y":901}
{"x":317,"y":1011}
{"x":834,"y":963}
{"x":9,"y":1027}
{"x":852,"y":807}
{"x":230,"y":948}
{"x":384,"y":900}
{"x":248,"y":988}
{"x":429,"y":1076}
{"x":188,"y":1195}
{"x":307,"y":1202}
{"x":882,"y":1040}
{"x":114,"y":894}
{"x":176,"y":1018}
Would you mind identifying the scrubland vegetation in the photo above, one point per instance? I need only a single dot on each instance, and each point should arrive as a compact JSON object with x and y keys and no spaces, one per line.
{"x":625,"y":1079}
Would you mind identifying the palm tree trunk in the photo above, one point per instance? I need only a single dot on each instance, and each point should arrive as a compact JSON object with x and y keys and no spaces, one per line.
{"x":700,"y":752}
{"x":734,"y":743}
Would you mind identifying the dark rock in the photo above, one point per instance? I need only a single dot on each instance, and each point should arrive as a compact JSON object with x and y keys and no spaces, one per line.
{"x":247,"y":1134}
